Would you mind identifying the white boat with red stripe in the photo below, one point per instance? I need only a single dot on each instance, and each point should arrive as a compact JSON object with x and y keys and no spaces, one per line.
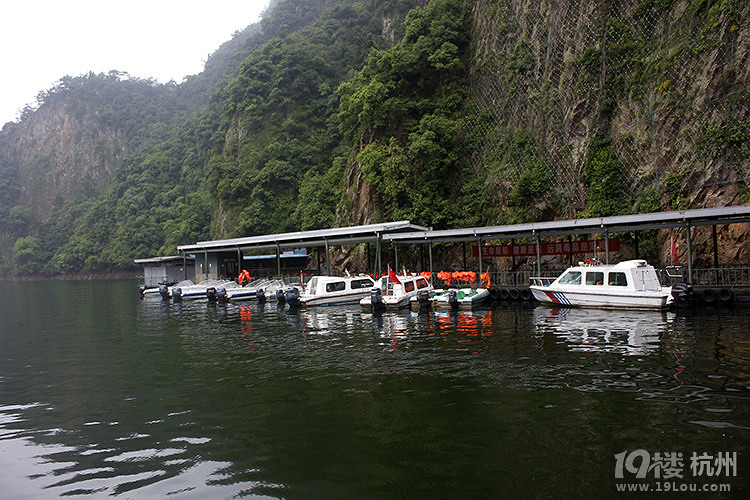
{"x":632,"y":284}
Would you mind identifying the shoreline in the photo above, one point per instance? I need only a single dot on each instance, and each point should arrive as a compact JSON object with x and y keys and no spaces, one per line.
{"x":80,"y":276}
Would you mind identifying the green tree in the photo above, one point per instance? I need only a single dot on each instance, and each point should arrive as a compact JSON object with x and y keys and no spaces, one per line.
{"x":28,"y":255}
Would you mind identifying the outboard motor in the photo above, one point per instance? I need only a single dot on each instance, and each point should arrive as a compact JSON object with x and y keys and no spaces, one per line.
{"x":682,"y":293}
{"x":423,"y":297}
{"x":211,"y":294}
{"x":221,"y":295}
{"x":292,"y":296}
{"x":453,"y":299}
{"x":164,"y":291}
{"x":376,"y":299}
{"x":260,"y":295}
{"x":177,"y":294}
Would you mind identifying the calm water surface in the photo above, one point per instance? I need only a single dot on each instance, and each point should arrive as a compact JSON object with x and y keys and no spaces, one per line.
{"x":103,"y":394}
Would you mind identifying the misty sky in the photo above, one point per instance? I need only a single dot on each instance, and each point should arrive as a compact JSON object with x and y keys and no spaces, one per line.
{"x":44,"y":40}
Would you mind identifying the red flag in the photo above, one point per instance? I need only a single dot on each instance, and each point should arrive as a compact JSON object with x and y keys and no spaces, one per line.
{"x":392,"y":276}
{"x":674,"y":253}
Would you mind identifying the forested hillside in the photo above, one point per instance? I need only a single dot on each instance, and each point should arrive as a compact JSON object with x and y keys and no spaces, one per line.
{"x":335,"y":112}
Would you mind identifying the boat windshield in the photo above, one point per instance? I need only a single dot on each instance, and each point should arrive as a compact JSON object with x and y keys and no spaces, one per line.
{"x":617,"y":279}
{"x":570,"y":278}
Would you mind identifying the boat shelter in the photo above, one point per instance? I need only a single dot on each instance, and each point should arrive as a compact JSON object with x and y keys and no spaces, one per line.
{"x":171,"y":269}
{"x":686,"y":219}
{"x":220,"y":257}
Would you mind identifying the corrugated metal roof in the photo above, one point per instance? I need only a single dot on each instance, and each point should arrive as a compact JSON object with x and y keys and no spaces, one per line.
{"x":638,"y":222}
{"x":162,"y":260}
{"x":335,"y":236}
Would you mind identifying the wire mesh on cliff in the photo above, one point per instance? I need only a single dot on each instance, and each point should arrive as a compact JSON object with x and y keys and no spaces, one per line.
{"x":662,"y":87}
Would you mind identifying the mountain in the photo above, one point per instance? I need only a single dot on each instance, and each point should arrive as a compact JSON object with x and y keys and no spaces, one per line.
{"x":336,"y":112}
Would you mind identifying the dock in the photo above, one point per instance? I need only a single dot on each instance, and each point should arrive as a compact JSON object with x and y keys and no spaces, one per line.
{"x":221,"y":257}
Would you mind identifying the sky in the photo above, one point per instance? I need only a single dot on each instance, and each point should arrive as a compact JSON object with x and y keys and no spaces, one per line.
{"x":44,"y":40}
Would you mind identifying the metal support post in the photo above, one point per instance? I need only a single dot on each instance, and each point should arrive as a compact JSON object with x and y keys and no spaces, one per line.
{"x":278,"y":260}
{"x":716,"y":252}
{"x":690,"y":252}
{"x":328,"y":260}
{"x":479,"y":241}
{"x":378,"y":257}
{"x":606,"y":246}
{"x":430,"y":248}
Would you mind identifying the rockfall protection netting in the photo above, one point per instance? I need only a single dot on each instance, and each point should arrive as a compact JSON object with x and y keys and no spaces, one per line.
{"x":664,"y":83}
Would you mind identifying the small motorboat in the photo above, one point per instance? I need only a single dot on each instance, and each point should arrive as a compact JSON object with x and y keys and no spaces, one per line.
{"x":164,"y":291}
{"x":203,"y":290}
{"x":389,"y":293}
{"x":261,"y":289}
{"x":632,"y":284}
{"x":458,"y":298}
{"x":330,"y":291}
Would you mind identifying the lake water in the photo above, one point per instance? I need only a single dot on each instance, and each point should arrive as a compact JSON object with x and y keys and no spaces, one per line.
{"x":104,"y":394}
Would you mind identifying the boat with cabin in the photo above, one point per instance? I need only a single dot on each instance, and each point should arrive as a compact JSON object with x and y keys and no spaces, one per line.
{"x":330,"y":291}
{"x":632,"y":284}
{"x":392,"y":294}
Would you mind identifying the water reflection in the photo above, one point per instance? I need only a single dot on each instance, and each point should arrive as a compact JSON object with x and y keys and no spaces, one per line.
{"x":625,"y":332}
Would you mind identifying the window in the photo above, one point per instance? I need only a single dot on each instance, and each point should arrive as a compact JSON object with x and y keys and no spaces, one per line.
{"x":365,"y":283}
{"x":422,"y":283}
{"x":409,"y":286}
{"x":336,"y":286}
{"x":594,"y":278}
{"x":617,"y":279}
{"x":571,"y":278}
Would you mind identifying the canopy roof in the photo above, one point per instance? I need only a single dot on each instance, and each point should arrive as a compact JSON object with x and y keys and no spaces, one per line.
{"x":321,"y":237}
{"x":638,"y":222}
{"x":178,"y":259}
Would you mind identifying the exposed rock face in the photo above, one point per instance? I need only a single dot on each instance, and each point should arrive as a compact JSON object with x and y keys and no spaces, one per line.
{"x":61,"y":155}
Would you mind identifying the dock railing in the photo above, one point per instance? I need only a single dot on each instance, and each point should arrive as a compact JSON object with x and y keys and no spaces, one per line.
{"x":723,"y":277}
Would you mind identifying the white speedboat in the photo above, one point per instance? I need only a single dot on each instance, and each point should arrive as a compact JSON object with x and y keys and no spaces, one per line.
{"x":204,"y":289}
{"x":164,"y":291}
{"x":260,"y":289}
{"x":391,"y":294}
{"x":632,"y":284}
{"x":330,"y":291}
{"x":459,"y":298}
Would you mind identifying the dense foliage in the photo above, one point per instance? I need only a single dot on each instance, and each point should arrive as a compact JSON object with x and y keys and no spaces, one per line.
{"x":401,"y":115}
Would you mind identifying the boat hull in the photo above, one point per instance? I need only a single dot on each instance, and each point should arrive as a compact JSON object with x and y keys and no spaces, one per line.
{"x":646,"y":300}
{"x":388,"y":304}
{"x":330,"y":300}
{"x":465,"y":299}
